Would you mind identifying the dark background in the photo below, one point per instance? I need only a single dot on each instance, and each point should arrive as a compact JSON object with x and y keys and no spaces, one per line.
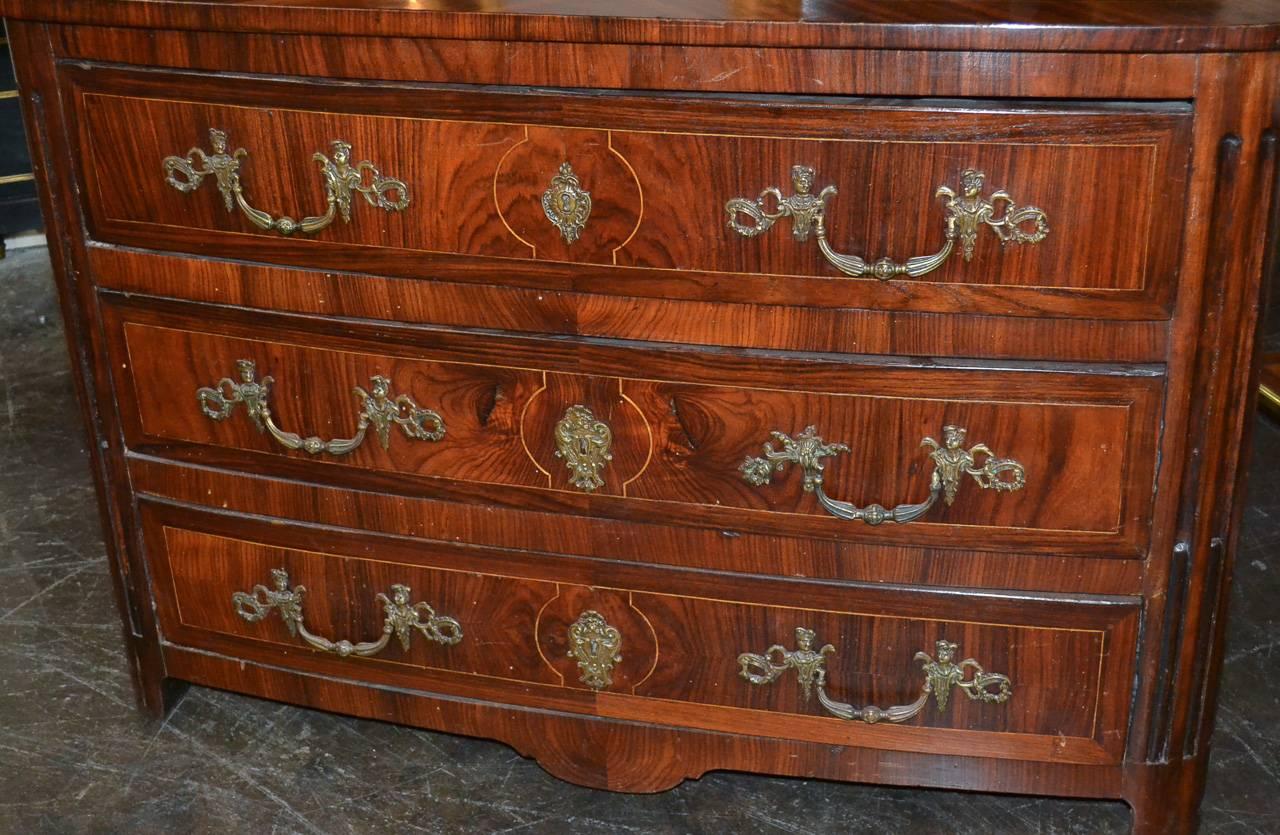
{"x":19,"y":209}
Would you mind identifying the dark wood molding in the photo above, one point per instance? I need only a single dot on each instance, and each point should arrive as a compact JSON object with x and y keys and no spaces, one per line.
{"x":1092,"y":26}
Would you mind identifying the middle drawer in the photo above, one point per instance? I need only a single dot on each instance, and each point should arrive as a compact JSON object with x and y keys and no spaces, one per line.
{"x":968,"y":457}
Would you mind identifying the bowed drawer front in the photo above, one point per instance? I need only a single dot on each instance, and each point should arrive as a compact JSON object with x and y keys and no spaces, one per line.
{"x":851,"y":667}
{"x":1073,"y":210}
{"x":927,"y":455}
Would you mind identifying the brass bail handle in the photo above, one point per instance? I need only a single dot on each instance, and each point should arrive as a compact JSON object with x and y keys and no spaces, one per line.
{"x":379,"y":408}
{"x":967,"y":213}
{"x":941,"y":675}
{"x":402,"y":618}
{"x":340,"y":178}
{"x":951,"y":462}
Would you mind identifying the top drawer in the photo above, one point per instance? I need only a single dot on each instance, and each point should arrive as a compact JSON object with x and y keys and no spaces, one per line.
{"x":840,"y":203}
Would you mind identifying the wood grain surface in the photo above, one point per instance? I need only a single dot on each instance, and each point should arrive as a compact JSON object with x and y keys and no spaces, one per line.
{"x":426,"y":300}
{"x":562,"y":528}
{"x":638,"y":756}
{"x":623,"y":66}
{"x":682,"y":424}
{"x":1115,"y":359}
{"x":679,"y":651}
{"x":654,"y":231}
{"x":1091,"y":25}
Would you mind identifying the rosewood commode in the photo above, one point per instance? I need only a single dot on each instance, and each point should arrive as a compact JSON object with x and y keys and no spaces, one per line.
{"x":856,"y":393}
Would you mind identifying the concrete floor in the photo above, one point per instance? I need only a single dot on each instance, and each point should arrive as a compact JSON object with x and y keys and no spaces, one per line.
{"x":76,"y":757}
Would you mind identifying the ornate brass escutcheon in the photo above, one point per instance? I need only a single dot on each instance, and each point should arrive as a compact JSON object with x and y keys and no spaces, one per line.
{"x":951,"y":462}
{"x":341,"y":178}
{"x":594,"y":644}
{"x":941,"y":674}
{"x":402,"y":617}
{"x":584,"y":443}
{"x":378,"y":408}
{"x":566,"y":204}
{"x":966,"y":214}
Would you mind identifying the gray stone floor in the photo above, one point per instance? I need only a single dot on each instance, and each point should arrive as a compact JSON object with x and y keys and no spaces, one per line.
{"x":76,"y":757}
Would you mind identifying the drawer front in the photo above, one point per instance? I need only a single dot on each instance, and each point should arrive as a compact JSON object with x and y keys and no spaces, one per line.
{"x":1042,"y":679}
{"x":926,"y":207}
{"x":970,"y":458}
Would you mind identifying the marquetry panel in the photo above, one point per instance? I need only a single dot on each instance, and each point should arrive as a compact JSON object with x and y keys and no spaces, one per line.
{"x":873,"y":663}
{"x":639,"y":652}
{"x":659,"y":173}
{"x":201,"y":572}
{"x":677,"y":427}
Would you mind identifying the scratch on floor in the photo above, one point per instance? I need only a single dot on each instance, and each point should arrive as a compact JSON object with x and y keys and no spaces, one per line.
{"x":1253,"y":650}
{"x":41,"y":593}
{"x":243,"y":774}
{"x":1232,"y":727}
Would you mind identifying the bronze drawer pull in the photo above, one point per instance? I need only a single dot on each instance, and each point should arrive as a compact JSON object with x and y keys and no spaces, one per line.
{"x":402,"y":617}
{"x":566,"y":204}
{"x":585,"y":444}
{"x":340,"y":179}
{"x":967,"y":213}
{"x":596,"y":646}
{"x":940,"y":675}
{"x":951,"y":462}
{"x":377,"y":408}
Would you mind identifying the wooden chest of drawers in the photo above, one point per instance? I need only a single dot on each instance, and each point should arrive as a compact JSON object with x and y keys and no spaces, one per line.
{"x":854,"y":391}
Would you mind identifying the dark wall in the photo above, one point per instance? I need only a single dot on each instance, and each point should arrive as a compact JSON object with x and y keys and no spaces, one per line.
{"x":19,"y":210}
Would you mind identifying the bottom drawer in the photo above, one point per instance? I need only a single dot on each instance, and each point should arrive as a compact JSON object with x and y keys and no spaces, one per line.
{"x":949,"y":672}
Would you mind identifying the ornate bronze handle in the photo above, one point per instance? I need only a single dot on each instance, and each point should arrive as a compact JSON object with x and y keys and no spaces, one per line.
{"x":596,"y":646}
{"x":566,"y":204}
{"x":967,"y":213}
{"x":377,"y":408}
{"x":402,"y":617}
{"x":940,"y":675}
{"x":585,"y":444}
{"x":951,"y":462}
{"x":340,"y":180}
